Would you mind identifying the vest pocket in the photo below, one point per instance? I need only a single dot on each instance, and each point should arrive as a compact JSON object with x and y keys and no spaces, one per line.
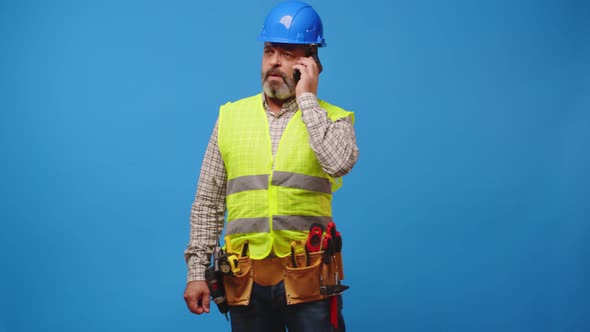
{"x":239,"y":287}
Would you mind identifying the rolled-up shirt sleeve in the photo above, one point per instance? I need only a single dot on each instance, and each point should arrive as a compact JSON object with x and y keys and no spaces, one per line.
{"x":334,"y":142}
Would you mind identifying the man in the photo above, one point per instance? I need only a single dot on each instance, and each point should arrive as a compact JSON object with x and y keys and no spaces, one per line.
{"x":272,"y":161}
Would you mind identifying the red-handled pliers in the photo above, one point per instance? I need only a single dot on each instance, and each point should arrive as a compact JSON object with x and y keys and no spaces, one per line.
{"x":314,"y":239}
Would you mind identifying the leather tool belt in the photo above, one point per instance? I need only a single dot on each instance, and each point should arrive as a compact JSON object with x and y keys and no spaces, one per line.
{"x":302,"y":283}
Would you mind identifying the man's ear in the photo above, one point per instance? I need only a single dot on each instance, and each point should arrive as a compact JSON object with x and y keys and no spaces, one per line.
{"x":313,"y":51}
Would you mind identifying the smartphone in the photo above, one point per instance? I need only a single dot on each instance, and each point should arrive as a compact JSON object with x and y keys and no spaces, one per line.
{"x":297,"y":72}
{"x":296,"y":75}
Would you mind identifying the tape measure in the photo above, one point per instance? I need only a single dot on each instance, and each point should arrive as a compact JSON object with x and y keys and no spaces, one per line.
{"x":228,"y":264}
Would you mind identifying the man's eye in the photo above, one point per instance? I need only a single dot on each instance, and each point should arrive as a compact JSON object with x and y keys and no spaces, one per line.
{"x":288,"y":55}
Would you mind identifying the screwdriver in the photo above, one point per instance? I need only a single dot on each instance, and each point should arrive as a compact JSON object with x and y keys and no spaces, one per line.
{"x":293,"y":259}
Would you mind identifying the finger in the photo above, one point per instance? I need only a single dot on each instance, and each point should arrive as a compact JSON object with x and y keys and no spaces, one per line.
{"x":191,"y":305}
{"x":304,"y":70}
{"x":206,"y":304}
{"x":309,"y":63}
{"x":194,"y":304}
{"x":301,"y":68}
{"x":194,"y":307}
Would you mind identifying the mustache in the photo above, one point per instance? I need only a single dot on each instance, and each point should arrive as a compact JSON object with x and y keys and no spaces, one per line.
{"x":274,"y":72}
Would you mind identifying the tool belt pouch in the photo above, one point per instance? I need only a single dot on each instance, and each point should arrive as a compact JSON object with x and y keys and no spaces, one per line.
{"x":302,"y":284}
{"x":239,"y":287}
{"x":329,"y":270}
{"x":338,"y":262}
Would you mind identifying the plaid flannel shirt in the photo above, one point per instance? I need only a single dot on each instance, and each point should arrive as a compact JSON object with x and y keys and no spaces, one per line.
{"x":334,"y":143}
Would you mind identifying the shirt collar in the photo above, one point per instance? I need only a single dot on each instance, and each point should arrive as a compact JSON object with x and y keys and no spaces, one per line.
{"x":288,"y":106}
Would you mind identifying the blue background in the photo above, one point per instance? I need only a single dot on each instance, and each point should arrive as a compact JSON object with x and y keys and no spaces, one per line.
{"x":469,"y":209}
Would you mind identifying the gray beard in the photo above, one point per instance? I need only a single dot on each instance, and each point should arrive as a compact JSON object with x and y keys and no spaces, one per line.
{"x":280,"y":91}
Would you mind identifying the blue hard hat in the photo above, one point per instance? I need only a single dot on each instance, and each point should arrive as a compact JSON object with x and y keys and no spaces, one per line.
{"x":293,"y":22}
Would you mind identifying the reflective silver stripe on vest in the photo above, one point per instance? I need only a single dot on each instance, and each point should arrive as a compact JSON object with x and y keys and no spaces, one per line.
{"x":248,"y":225}
{"x":302,"y":181}
{"x":297,"y":223}
{"x":249,"y":182}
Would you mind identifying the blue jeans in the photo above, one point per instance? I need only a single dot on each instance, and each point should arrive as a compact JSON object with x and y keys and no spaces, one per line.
{"x":269,"y":312}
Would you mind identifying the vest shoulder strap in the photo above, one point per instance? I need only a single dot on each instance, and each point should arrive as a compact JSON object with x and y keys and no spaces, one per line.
{"x":254,"y":102}
{"x":244,"y":103}
{"x":335,"y":112}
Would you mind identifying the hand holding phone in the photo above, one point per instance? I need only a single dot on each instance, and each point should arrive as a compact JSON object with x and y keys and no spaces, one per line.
{"x":297,"y":72}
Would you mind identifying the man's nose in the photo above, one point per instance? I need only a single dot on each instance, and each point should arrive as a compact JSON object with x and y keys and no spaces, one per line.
{"x":275,"y":59}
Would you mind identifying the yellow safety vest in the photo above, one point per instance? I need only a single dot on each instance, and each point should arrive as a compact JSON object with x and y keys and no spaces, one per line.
{"x":271,"y":203}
